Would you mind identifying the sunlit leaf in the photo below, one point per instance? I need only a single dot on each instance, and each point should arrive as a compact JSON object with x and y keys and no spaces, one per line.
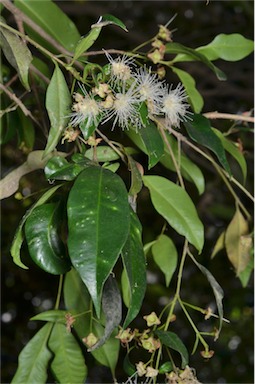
{"x":58,"y":101}
{"x":98,"y":222}
{"x":34,"y":359}
{"x":237,"y":244}
{"x":174,"y":204}
{"x":165,"y":256}
{"x":68,"y":365}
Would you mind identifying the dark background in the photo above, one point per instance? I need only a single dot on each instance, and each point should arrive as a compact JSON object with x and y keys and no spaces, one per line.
{"x":26,"y":293}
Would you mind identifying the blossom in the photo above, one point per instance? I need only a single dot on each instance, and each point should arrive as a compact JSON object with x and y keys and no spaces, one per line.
{"x":120,"y":67}
{"x":152,"y":319}
{"x":150,"y":89}
{"x":90,"y":340}
{"x":86,"y":109}
{"x":150,"y":344}
{"x":124,"y":108}
{"x":125,"y":336}
{"x":175,"y":106}
{"x":140,"y":368}
{"x":151,"y":372}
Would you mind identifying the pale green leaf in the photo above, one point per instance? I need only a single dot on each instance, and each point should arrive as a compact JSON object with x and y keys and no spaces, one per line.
{"x":165,"y":256}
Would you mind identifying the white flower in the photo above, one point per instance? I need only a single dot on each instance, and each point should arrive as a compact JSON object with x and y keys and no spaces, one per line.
{"x":120,"y":67}
{"x":86,"y":109}
{"x":124,"y":109}
{"x":175,"y":106}
{"x":150,"y":89}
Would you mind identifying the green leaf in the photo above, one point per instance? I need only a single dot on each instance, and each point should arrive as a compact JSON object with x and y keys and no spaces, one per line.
{"x":165,"y":256}
{"x":110,"y":19}
{"x":245,"y":275}
{"x":201,"y":132}
{"x":54,"y":315}
{"x":68,"y":365}
{"x":102,"y":153}
{"x":166,"y":367}
{"x":217,"y":290}
{"x":174,"y":204}
{"x":179,"y":48}
{"x":231,"y":148}
{"x":47,"y":15}
{"x":98,"y":222}
{"x":189,"y":84}
{"x":59,"y":168}
{"x":136,"y":177}
{"x":112,"y":309}
{"x":135,"y":265}
{"x":189,"y":170}
{"x":58,"y":101}
{"x":17,"y":53}
{"x":34,"y":359}
{"x":44,"y":244}
{"x":18,"y":237}
{"x":171,"y":340}
{"x":231,"y":47}
{"x":85,"y":43}
{"x":128,"y":367}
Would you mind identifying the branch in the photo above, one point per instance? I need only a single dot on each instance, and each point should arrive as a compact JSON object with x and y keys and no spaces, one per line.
{"x":217,"y":115}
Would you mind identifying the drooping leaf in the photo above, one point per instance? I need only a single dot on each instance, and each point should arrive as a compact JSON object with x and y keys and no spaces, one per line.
{"x":220,"y":244}
{"x":58,"y":101}
{"x":174,"y":204}
{"x":128,"y":367}
{"x":54,"y":315}
{"x":171,"y":340}
{"x":232,"y":47}
{"x":135,"y":265}
{"x":112,"y":309}
{"x":237,"y":246}
{"x":165,"y":256}
{"x":34,"y":359}
{"x":200,"y":131}
{"x":68,"y":365}
{"x":189,"y":84}
{"x":231,"y":148}
{"x":19,"y":237}
{"x":98,"y":222}
{"x":153,"y":143}
{"x":17,"y":53}
{"x":179,"y":48}
{"x":217,"y":290}
{"x":44,"y":244}
{"x":52,"y":19}
{"x":136,"y":177}
{"x":189,"y":170}
{"x":245,"y":275}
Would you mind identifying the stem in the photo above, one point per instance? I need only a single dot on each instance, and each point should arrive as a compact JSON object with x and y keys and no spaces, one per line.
{"x":229,"y":116}
{"x":198,"y":334}
{"x":110,"y":144}
{"x":60,"y":284}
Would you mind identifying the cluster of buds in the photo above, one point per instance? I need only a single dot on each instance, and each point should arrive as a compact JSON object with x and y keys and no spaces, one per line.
{"x":163,"y":36}
{"x":186,"y":376}
{"x":129,"y":97}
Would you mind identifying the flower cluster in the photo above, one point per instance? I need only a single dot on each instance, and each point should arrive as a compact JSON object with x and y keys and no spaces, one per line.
{"x":128,"y":97}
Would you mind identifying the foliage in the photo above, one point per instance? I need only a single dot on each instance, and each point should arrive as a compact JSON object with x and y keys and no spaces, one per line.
{"x":86,"y":228}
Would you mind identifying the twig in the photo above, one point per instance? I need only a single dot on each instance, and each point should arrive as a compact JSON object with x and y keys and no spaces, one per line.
{"x":229,"y":116}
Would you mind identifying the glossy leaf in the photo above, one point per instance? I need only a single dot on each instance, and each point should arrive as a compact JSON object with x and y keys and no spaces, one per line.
{"x":217,"y":290}
{"x":58,"y":168}
{"x":19,"y":237}
{"x":58,"y":101}
{"x":166,"y":367}
{"x":128,"y":367}
{"x":54,"y":315}
{"x":44,"y":244}
{"x":231,"y":148}
{"x":86,"y":42}
{"x":52,"y":19}
{"x":98,"y":222}
{"x":171,"y":340}
{"x":112,"y":309}
{"x":189,"y":170}
{"x":200,"y":131}
{"x":68,"y":365}
{"x":165,"y":256}
{"x":17,"y":53}
{"x":135,"y":265}
{"x":34,"y":359}
{"x":237,"y":246}
{"x":153,"y":143}
{"x":102,"y":153}
{"x":174,"y":204}
{"x":179,"y":48}
{"x":110,"y":19}
{"x":189,"y":84}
